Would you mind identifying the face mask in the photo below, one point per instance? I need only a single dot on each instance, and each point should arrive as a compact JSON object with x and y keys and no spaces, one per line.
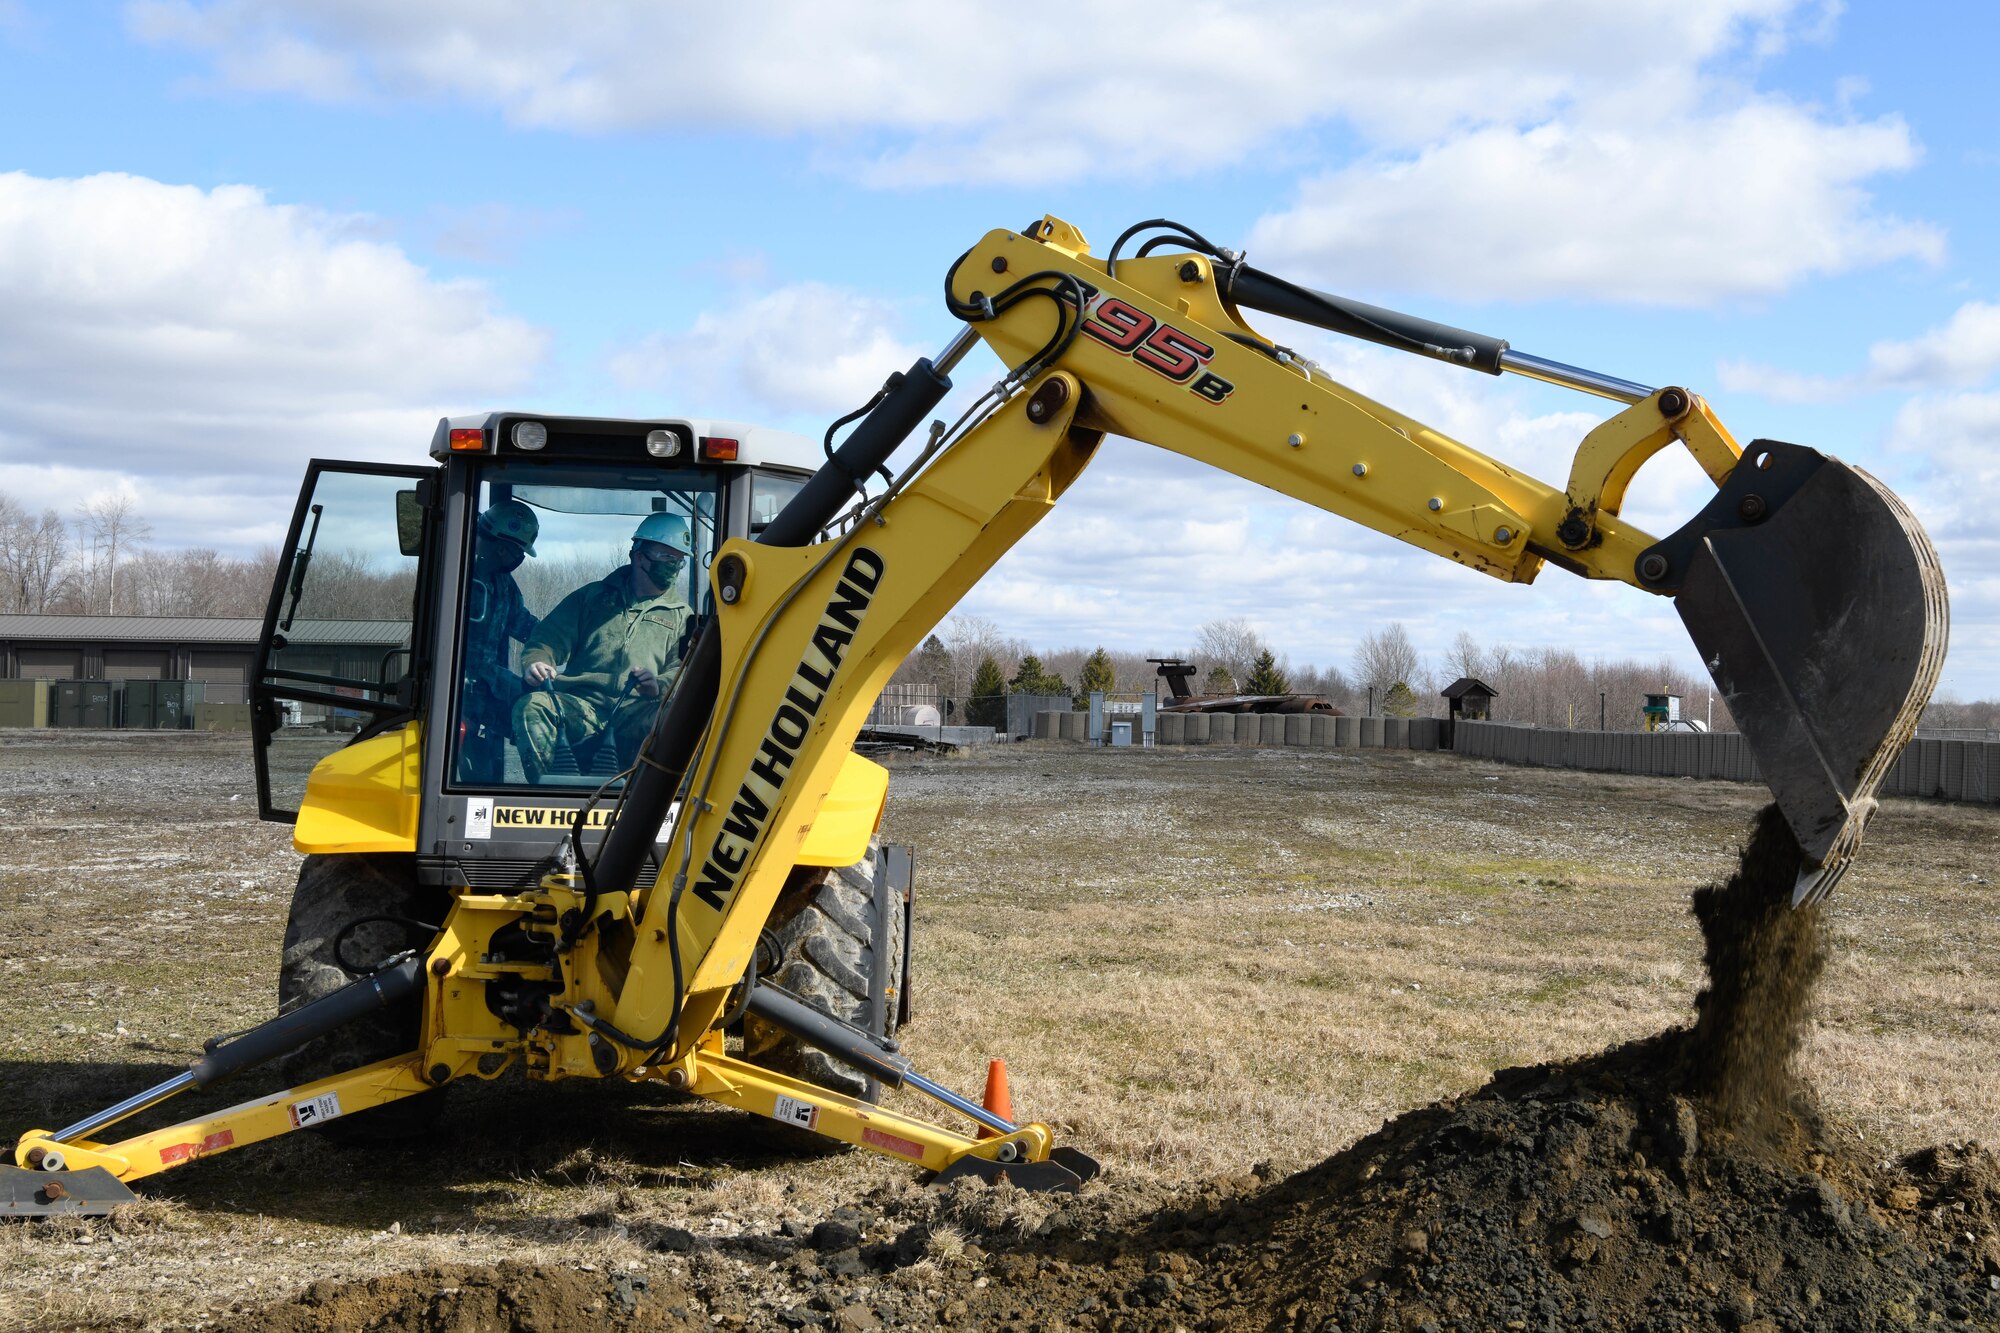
{"x":661,"y":569}
{"x":506,"y":555}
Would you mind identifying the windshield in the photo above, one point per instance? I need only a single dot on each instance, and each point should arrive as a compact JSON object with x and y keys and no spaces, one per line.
{"x":579,"y":605}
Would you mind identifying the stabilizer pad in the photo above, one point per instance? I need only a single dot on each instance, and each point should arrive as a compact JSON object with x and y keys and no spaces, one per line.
{"x":91,"y":1192}
{"x":1043,"y":1177}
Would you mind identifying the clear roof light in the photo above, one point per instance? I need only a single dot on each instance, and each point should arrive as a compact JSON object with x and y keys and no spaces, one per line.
{"x":663,"y":444}
{"x":530,"y":435}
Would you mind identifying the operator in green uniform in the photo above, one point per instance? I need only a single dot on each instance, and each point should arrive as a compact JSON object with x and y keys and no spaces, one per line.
{"x":597,"y":664}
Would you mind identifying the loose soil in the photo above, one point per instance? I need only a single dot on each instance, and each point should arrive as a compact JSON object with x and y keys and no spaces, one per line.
{"x":1686,"y":1179}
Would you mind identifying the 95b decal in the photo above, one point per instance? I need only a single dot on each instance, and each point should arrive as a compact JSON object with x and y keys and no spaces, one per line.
{"x":1171,"y":353}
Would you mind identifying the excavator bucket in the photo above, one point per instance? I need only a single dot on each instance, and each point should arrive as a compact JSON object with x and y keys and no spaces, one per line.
{"x":92,"y":1192}
{"x":1818,"y":605}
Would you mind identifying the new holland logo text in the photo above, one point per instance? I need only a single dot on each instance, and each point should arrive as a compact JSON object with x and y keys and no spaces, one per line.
{"x":751,"y":807}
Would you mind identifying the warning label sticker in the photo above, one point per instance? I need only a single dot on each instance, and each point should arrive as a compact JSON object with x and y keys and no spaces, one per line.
{"x":479,"y":817}
{"x":894,"y":1143}
{"x":313,"y":1110}
{"x":794,"y":1112}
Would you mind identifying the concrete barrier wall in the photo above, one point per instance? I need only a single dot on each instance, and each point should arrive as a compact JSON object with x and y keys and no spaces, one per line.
{"x":1947,"y":770}
{"x":1951,"y":770}
{"x":1298,"y":730}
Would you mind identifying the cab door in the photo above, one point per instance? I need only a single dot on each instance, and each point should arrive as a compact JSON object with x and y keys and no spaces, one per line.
{"x":343,"y":653}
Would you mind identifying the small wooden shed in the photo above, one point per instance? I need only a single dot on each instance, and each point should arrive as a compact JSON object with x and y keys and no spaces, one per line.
{"x":1470,"y":699}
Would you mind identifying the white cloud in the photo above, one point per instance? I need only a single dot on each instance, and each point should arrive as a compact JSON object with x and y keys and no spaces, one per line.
{"x":1680,"y":211}
{"x":1950,"y":445}
{"x":191,"y":339}
{"x":808,"y":347}
{"x":1534,"y":149}
{"x":1962,"y":352}
{"x":928,"y":93}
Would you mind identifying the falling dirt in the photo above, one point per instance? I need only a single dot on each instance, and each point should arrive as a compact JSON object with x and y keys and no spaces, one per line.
{"x":1685,"y":1181}
{"x":1762,"y":958}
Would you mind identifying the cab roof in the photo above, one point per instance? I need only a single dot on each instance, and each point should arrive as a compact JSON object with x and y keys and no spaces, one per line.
{"x":759,"y":446}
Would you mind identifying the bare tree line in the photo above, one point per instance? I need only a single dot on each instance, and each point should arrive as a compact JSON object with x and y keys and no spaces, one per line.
{"x":1543,"y":686}
{"x":97,"y":562}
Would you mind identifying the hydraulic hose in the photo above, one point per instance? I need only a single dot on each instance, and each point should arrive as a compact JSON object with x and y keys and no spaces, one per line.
{"x":1258,"y":290}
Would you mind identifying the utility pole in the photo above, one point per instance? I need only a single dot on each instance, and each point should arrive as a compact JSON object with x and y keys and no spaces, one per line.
{"x":1600,"y":710}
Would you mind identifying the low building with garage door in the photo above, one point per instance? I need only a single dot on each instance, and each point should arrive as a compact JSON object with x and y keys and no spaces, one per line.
{"x":218,"y":651}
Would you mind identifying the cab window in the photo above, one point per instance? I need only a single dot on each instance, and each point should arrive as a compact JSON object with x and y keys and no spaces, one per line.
{"x":770,"y":492}
{"x":580,"y":597}
{"x":336,"y":651}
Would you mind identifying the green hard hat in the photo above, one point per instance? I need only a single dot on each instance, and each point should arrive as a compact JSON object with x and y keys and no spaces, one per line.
{"x":665,"y":529}
{"x":514,"y":521}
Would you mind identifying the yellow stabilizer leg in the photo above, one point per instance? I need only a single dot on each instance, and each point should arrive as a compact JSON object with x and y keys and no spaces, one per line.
{"x":248,"y":1122}
{"x":1027,"y":1155}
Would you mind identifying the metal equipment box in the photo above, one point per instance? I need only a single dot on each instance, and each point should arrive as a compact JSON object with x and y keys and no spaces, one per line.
{"x":24,"y":703}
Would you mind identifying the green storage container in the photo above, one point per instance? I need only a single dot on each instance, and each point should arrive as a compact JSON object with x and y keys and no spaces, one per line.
{"x":139,"y":705}
{"x":82,"y":703}
{"x":163,"y":704}
{"x":24,"y":703}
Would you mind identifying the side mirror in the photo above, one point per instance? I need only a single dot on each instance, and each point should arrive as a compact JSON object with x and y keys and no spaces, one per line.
{"x":409,"y":523}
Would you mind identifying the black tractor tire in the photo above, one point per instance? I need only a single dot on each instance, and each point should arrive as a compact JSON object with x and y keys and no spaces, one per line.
{"x":334,"y":891}
{"x":823,"y":935}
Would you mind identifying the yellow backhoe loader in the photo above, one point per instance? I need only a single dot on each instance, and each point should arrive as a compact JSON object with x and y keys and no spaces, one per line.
{"x":654,"y":920}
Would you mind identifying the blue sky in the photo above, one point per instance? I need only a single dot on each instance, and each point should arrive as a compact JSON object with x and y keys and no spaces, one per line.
{"x":235,"y":234}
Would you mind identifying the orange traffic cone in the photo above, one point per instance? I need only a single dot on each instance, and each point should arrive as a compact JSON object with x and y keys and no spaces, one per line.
{"x":998,"y":1100}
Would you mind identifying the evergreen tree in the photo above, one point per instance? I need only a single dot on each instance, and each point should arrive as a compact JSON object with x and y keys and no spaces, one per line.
{"x":1218,"y":681}
{"x":1400,"y":701}
{"x":1265,"y":678}
{"x":1034,"y":678}
{"x":1097,"y":674}
{"x":931,"y":665}
{"x":988,"y":705}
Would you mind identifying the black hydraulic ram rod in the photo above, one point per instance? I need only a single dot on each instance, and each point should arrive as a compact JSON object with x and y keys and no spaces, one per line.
{"x":1255,"y":289}
{"x":267,"y":1041}
{"x":858,"y":1050}
{"x":910,"y":397}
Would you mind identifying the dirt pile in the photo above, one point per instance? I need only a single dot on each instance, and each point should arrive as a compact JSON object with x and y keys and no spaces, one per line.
{"x":1588,"y":1195}
{"x":1681,"y":1182}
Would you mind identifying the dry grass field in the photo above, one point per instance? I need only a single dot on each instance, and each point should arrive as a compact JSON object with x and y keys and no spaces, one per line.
{"x":1193,"y":961}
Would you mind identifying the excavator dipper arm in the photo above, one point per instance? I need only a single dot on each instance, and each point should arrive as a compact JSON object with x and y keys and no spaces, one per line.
{"x":1786,"y":589}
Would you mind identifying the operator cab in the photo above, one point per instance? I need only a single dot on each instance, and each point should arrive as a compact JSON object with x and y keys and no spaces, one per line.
{"x":407,"y":595}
